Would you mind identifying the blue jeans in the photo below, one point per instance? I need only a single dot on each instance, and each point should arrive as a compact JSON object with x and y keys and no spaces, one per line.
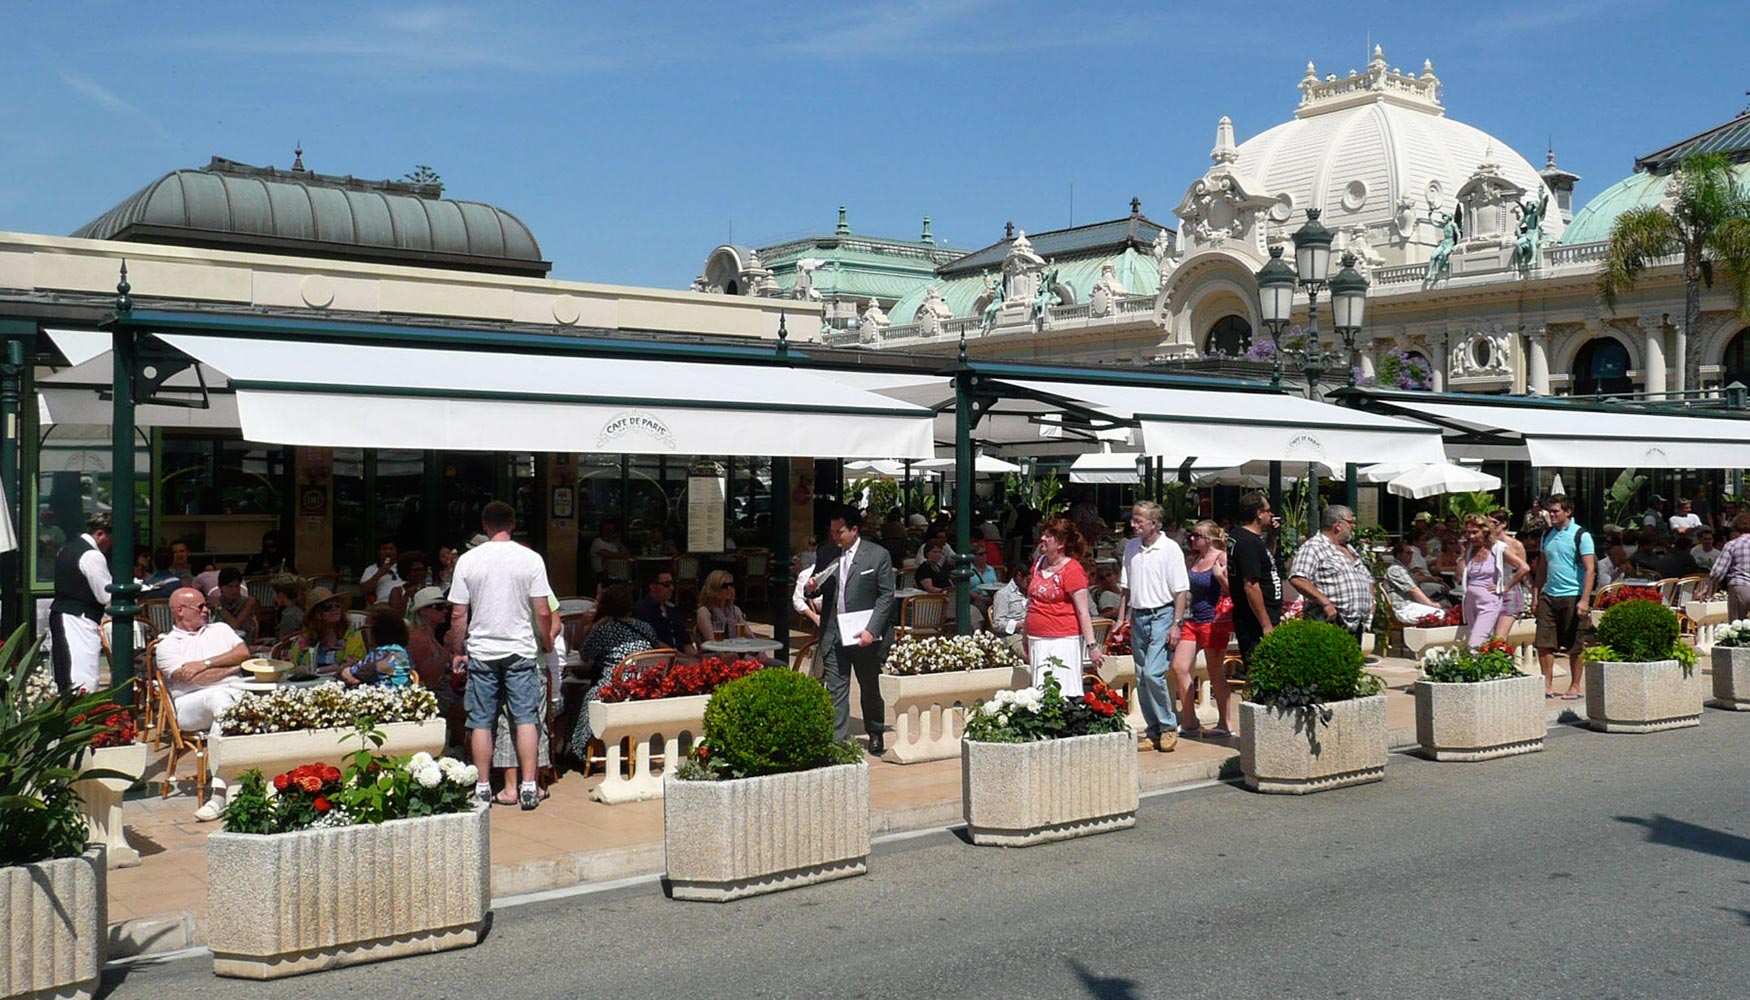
{"x":515,"y":679}
{"x":1154,"y":662}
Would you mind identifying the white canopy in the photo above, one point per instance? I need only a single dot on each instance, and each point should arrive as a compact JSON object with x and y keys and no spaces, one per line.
{"x":79,"y":394}
{"x":349,"y":395}
{"x":1104,"y":467}
{"x":1120,"y":467}
{"x":1433,"y":480}
{"x":1595,"y":437}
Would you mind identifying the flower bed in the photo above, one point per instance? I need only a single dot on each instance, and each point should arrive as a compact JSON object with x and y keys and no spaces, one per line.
{"x":948,"y":654}
{"x":324,"y":867}
{"x":674,"y":680}
{"x":1731,"y":666}
{"x":325,"y":706}
{"x":1452,"y":616}
{"x":1475,"y":705}
{"x":656,"y":705}
{"x":1623,"y":595}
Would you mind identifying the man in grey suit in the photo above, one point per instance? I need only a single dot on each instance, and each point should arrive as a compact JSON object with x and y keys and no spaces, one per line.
{"x":860,"y":580}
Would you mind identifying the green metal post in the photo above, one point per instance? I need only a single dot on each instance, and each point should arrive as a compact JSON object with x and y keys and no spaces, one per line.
{"x":122,"y":608}
{"x":1276,"y":488}
{"x":781,"y":580}
{"x":12,"y":372}
{"x":1352,"y":487}
{"x":963,"y":462}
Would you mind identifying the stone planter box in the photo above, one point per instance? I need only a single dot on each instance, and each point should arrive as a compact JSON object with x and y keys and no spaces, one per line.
{"x":272,"y":753}
{"x":55,"y":915}
{"x":1731,"y":678}
{"x":1418,"y":639}
{"x":926,"y":713}
{"x":1016,"y":794}
{"x":290,"y":903}
{"x":1642,"y":697}
{"x":725,"y":840}
{"x":645,"y":722}
{"x":1277,"y":755}
{"x":1481,"y":721}
{"x":102,"y":800}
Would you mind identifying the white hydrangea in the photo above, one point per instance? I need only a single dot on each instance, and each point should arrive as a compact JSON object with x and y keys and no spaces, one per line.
{"x":1734,"y":634}
{"x":428,"y":776}
{"x":419,"y":761}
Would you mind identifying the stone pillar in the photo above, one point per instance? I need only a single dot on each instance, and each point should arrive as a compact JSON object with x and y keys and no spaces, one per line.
{"x":1438,"y":360}
{"x":1653,"y":330}
{"x":1679,"y":378}
{"x":1537,"y":361}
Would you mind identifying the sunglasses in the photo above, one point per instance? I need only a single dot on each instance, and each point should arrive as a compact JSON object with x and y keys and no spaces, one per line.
{"x":665,"y":583}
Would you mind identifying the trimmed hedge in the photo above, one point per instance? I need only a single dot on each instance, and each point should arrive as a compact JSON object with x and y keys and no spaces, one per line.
{"x":1639,"y":631}
{"x":770,"y":722}
{"x":1300,"y":658}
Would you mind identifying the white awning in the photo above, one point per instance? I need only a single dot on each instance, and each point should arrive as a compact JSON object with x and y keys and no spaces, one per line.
{"x":81,"y":394}
{"x":1596,"y":437}
{"x":1103,"y":468}
{"x":347,"y":395}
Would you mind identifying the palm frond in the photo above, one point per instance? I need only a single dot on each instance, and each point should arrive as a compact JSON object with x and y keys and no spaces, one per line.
{"x":1637,"y":238}
{"x":1730,"y":246}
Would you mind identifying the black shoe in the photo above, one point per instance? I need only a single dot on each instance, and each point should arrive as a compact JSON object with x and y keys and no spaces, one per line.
{"x":877,"y":745}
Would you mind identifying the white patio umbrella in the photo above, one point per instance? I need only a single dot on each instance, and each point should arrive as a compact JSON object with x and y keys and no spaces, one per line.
{"x":1433,"y":480}
{"x":8,"y":538}
{"x":1385,"y":472}
{"x":1556,"y":486}
{"x":879,"y":468}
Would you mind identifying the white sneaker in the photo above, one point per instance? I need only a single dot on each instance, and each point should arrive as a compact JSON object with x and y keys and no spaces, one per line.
{"x":214,"y":808}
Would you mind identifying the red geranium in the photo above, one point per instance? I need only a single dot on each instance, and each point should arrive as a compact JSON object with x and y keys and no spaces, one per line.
{"x":1623,"y":594}
{"x":281,"y":782}
{"x":118,"y":726}
{"x":322,"y":804}
{"x":330,"y":774}
{"x":1453,"y":616}
{"x":674,"y":680}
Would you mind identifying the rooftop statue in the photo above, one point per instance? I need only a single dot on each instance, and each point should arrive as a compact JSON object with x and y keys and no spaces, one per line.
{"x":994,"y":289}
{"x":1045,"y":298}
{"x":1451,"y":229}
{"x":1531,"y":215}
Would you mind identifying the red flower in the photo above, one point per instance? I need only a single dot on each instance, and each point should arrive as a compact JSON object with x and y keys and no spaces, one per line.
{"x":330,"y":774}
{"x":322,"y":805}
{"x":310,"y":783}
{"x":280,"y":781}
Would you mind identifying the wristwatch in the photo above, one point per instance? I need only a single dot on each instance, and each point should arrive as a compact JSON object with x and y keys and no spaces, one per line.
{"x":207,"y":663}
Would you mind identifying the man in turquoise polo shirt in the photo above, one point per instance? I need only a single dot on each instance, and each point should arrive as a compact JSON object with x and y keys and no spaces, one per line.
{"x":1565,"y":576}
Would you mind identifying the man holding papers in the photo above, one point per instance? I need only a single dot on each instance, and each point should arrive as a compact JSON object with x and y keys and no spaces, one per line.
{"x":856,"y":624}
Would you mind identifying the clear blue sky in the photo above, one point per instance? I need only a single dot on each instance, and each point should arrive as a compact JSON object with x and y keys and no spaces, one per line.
{"x":632,"y":137}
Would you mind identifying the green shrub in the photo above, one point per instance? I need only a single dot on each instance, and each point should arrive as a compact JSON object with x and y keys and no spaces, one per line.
{"x":1306,"y":662}
{"x":769,"y":722}
{"x":1639,"y":631}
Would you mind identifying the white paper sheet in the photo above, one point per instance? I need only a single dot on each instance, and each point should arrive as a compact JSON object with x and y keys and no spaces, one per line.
{"x":851,"y":623}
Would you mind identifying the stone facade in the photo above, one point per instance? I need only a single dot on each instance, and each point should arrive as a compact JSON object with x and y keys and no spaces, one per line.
{"x":1018,"y":794}
{"x":56,"y":923}
{"x":724,"y":840}
{"x":290,"y":903}
{"x":1481,"y":721}
{"x":1731,"y":681}
{"x":1642,"y":697}
{"x":1278,"y":754}
{"x":926,"y":713}
{"x":645,"y":722}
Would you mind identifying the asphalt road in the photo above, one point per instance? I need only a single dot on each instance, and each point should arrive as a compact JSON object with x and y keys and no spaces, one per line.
{"x":1606,"y":866}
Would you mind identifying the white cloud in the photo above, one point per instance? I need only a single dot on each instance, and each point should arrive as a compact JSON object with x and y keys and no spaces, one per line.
{"x":97,"y":94}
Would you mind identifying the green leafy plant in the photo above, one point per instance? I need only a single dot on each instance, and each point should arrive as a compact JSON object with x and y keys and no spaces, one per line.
{"x":1041,"y":493}
{"x":1620,"y":498}
{"x":1463,"y":505}
{"x":1045,"y":714}
{"x":1464,"y":665}
{"x":1639,"y":630}
{"x":883,"y":494}
{"x":770,"y":722}
{"x":44,"y":741}
{"x":1308,"y":662}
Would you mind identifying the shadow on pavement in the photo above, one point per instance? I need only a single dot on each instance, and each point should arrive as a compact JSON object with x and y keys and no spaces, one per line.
{"x":1663,"y":829}
{"x":1102,"y":988}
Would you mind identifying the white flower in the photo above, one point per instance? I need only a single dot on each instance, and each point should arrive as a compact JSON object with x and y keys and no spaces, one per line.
{"x":419,"y":761}
{"x":428,"y":776}
{"x":1002,"y":720}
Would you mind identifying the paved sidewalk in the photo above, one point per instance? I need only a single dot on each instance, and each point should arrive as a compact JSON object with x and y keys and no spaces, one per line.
{"x":160,"y":906}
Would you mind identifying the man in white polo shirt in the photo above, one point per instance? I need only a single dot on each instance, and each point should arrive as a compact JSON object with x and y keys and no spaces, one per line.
{"x":1155,"y":590}
{"x":199,"y":661}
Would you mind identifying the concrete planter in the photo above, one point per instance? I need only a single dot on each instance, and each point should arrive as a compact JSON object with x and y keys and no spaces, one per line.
{"x":663,"y":720}
{"x":1731,"y":678}
{"x":290,"y":903}
{"x":728,"y":839}
{"x":272,"y":753}
{"x":1119,"y":673}
{"x":1642,"y":697}
{"x":1278,"y":755}
{"x":1418,"y":639}
{"x":102,"y":799}
{"x":1016,"y":794}
{"x":926,"y":713}
{"x":55,"y":918}
{"x":1481,"y":721}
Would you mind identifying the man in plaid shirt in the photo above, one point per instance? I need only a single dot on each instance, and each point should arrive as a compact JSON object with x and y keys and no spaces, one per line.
{"x":1335,"y":579}
{"x":1731,"y":571}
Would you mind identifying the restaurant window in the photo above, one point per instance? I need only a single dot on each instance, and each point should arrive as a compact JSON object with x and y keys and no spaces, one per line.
{"x":1735,"y":366}
{"x":519,"y":492}
{"x":349,"y":525}
{"x":398,"y":512}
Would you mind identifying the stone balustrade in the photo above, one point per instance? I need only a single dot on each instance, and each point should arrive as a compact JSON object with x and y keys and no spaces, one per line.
{"x":660,"y":721}
{"x":1708,"y":616}
{"x":926,"y":713}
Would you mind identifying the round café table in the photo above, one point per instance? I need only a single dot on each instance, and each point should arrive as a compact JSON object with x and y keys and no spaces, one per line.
{"x":742,"y":647}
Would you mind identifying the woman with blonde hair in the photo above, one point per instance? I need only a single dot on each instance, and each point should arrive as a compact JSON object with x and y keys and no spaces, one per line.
{"x":718,"y":617}
{"x":1208,"y":626}
{"x":1483,"y":576}
{"x":1059,"y":625}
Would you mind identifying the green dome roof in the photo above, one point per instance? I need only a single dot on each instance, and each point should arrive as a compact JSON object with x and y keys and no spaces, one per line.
{"x":1642,"y":190}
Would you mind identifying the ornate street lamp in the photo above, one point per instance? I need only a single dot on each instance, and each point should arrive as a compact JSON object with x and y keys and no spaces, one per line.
{"x":1348,"y":303}
{"x":1276,"y":283}
{"x":1312,"y":262}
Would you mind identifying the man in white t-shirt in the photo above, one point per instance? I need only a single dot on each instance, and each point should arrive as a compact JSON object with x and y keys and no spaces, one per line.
{"x":1685,"y":522}
{"x":1705,"y":554}
{"x":381,"y":577}
{"x":1155,"y":592}
{"x":500,"y":624}
{"x":199,"y":663}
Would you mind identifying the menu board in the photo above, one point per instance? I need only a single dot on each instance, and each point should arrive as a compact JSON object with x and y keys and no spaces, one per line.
{"x":704,"y":513}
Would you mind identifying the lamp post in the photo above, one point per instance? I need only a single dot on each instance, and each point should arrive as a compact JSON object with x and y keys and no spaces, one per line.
{"x":1312,"y":266}
{"x":1348,"y":304}
{"x":1143,"y":465}
{"x":1276,"y":282}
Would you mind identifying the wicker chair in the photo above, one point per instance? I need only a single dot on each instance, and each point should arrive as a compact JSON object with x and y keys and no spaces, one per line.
{"x":753,"y":572}
{"x":807,"y":660}
{"x":923,"y":615}
{"x":170,"y":732}
{"x":157,"y":611}
{"x":686,"y":579}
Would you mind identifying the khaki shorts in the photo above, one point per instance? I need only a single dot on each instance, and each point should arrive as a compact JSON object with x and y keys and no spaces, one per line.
{"x":1558,"y":623}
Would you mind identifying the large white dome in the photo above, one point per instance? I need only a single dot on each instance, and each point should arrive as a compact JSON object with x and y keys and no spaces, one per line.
{"x":1361,"y":147}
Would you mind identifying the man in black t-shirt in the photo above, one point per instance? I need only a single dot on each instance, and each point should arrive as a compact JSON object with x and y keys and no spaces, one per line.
{"x":1255,"y":584}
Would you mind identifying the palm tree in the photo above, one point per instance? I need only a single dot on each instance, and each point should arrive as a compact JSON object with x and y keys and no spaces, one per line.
{"x":1707,"y":220}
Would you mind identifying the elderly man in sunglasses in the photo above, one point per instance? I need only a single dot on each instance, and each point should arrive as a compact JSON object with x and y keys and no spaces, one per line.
{"x":1334,"y":578}
{"x":200,"y":662}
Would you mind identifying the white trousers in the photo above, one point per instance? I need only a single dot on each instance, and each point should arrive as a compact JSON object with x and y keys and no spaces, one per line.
{"x":78,"y":639}
{"x":199,"y":710}
{"x":1068,"y":651}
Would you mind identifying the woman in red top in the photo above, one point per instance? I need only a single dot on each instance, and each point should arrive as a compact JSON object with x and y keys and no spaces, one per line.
{"x":1059,"y":626}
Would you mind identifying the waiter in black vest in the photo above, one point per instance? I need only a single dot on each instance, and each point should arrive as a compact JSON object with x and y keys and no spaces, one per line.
{"x":81,"y":590}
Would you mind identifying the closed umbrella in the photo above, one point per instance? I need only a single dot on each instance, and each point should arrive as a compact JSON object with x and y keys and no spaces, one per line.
{"x":1433,"y":480}
{"x":8,"y":538}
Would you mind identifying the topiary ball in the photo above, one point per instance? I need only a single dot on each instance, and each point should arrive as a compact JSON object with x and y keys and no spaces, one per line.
{"x":1639,"y":631}
{"x":1300,"y":654}
{"x":769,"y":722}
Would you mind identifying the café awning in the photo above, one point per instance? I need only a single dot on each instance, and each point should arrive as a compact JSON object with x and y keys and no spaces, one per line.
{"x":1560,"y":433}
{"x":341,"y":394}
{"x":79,"y":394}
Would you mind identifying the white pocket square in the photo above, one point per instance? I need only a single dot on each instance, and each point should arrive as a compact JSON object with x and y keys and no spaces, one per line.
{"x":866,"y":572}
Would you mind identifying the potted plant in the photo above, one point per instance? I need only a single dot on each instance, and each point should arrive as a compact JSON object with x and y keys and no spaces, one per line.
{"x":277,"y":730}
{"x":926,"y":685}
{"x":1622,"y":595}
{"x":325,"y":867}
{"x":1433,"y":631}
{"x":1474,"y":704}
{"x":1037,"y":767}
{"x":1731,"y":659}
{"x":115,"y":752}
{"x":653,"y":703}
{"x":769,"y":800}
{"x":1641,"y":676}
{"x":54,"y":912}
{"x":1312,"y":719}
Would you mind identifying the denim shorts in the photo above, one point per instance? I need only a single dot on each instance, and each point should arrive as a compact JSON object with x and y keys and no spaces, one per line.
{"x":515,"y":679}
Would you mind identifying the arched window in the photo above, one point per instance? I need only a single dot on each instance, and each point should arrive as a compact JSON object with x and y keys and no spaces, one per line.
{"x":1230,"y":336}
{"x":1735,"y":366}
{"x":1601,"y":368}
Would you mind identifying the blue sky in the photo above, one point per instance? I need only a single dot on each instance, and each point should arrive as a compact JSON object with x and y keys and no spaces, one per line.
{"x":635,"y":137}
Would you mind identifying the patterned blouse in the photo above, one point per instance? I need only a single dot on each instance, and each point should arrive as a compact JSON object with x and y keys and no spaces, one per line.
{"x":328,"y":660}
{"x":609,"y":642}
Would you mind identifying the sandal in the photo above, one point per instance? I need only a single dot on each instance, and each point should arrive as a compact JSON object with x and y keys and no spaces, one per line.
{"x":500,"y":800}
{"x":1219,"y":733}
{"x":1572,"y":696}
{"x":1193,"y":734}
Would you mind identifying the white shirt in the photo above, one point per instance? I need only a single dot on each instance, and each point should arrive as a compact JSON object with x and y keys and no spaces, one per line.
{"x":1705,"y":558}
{"x":94,"y":566}
{"x":386,"y":583}
{"x":1153,"y":574}
{"x":179,"y":646}
{"x":601,"y":549}
{"x":1418,"y":560}
{"x":1685,"y":522}
{"x":844,"y":570}
{"x":496,"y":581}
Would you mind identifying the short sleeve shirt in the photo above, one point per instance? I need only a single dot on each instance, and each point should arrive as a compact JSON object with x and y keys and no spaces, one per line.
{"x":496,"y":581}
{"x":179,"y":647}
{"x":1251,"y":560}
{"x":1562,"y":550}
{"x":1051,"y":610}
